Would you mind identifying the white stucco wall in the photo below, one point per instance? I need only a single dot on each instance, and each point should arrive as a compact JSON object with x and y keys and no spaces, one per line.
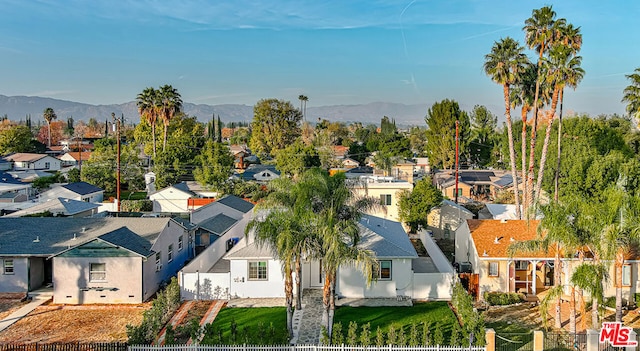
{"x":204,"y":286}
{"x":375,"y":189}
{"x":18,"y":281}
{"x":241,"y":286}
{"x":54,"y":164}
{"x":441,"y":262}
{"x":71,"y":283}
{"x":432,"y":286}
{"x":352,"y":284}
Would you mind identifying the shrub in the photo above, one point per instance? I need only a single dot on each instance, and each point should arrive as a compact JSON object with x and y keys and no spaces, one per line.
{"x":379,"y":337}
{"x":324,"y":336}
{"x":501,"y":299}
{"x":136,"y":205}
{"x":365,"y":335}
{"x":336,"y":334}
{"x":402,"y":337}
{"x":392,"y":337}
{"x":472,"y":321}
{"x":438,"y":337}
{"x":352,"y":333}
{"x":637,"y":299}
{"x":413,"y":335}
{"x":426,"y":334}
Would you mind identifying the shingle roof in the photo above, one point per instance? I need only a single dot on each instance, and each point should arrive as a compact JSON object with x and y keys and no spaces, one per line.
{"x":25,"y":157}
{"x":185,"y":223}
{"x":385,"y":238}
{"x":31,"y":236}
{"x":67,"y":207}
{"x":129,"y":240}
{"x":493,"y":237}
{"x":82,"y":188}
{"x":218,"y":224}
{"x":236,"y":203}
{"x":250,"y":251}
{"x":184,"y":187}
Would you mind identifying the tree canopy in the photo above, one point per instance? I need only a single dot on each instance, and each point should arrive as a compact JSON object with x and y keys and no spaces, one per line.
{"x":275,"y":125}
{"x":441,"y":136}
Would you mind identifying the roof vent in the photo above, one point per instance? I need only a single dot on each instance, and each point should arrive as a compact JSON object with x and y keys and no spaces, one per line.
{"x":84,"y":229}
{"x":485,"y":254}
{"x":37,"y":239}
{"x":512,"y":239}
{"x":496,"y":240}
{"x":74,"y":236}
{"x":504,"y":220}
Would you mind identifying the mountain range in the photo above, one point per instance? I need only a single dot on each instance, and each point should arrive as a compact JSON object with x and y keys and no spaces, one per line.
{"x":17,"y":107}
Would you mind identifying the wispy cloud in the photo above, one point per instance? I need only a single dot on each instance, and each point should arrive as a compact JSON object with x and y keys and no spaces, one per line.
{"x":490,"y":32}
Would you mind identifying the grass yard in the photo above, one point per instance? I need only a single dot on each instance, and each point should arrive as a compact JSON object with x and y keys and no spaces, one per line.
{"x":431,"y":313}
{"x":253,"y":325}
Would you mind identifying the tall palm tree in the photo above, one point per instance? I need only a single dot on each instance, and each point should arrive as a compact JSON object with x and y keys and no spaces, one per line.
{"x":169,"y":103}
{"x":49,"y":115}
{"x":539,"y":33}
{"x":146,"y":103}
{"x":563,"y":67}
{"x":303,"y":105}
{"x":504,"y":64}
{"x":632,"y":94}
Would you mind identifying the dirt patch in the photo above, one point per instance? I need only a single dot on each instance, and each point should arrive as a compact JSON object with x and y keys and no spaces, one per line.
{"x":191,"y":321}
{"x":524,"y":316}
{"x":8,"y":306}
{"x":59,"y":323}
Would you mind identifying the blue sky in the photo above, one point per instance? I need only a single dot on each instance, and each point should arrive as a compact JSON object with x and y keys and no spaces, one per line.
{"x":335,"y":52}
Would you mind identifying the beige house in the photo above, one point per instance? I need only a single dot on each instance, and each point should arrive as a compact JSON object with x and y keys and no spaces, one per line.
{"x":444,"y":220}
{"x":387,"y":189}
{"x":25,"y":161}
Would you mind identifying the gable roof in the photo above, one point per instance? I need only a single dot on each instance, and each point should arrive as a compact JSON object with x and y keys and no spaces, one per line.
{"x":125,"y":238}
{"x":43,"y":237}
{"x":456,"y":206}
{"x":493,"y":237}
{"x":236,"y":203}
{"x":67,"y":207}
{"x":252,"y":170}
{"x":184,"y":223}
{"x":218,"y":224}
{"x":76,"y":155}
{"x":250,"y":251}
{"x":184,"y":187}
{"x":387,"y":239}
{"x":25,"y":157}
{"x":82,"y":188}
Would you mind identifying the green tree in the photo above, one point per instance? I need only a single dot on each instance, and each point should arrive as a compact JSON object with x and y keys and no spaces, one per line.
{"x":73,"y":175}
{"x":294,"y":159}
{"x":146,"y":103}
{"x":483,"y":133}
{"x":214,"y":165}
{"x":49,"y":115}
{"x":414,"y":205}
{"x":441,"y":137}
{"x":632,"y":94}
{"x":504,"y":64}
{"x":275,"y":125}
{"x":168,"y":103}
{"x":14,"y":138}
{"x":100,"y":168}
{"x":418,"y":140}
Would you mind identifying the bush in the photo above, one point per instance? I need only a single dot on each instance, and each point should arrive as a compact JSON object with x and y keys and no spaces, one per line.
{"x":637,"y":299}
{"x":136,"y":205}
{"x":501,"y":299}
{"x":153,"y":319}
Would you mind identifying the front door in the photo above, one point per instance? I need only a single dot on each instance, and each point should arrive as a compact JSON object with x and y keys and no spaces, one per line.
{"x":316,"y":277}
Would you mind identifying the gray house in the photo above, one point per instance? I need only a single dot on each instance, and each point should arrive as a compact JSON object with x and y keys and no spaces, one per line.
{"x":91,"y":260}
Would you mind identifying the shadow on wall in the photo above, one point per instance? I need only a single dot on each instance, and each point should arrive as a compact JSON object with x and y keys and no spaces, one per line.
{"x":206,"y":291}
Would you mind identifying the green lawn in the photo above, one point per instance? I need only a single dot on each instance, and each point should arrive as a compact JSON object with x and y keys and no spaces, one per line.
{"x":517,"y":334}
{"x":383,"y":317}
{"x":254,"y":325}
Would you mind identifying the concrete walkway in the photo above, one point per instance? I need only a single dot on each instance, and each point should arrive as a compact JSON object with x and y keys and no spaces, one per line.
{"x":20,"y":313}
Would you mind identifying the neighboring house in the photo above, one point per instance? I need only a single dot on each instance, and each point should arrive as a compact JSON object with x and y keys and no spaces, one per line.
{"x":182,"y":197}
{"x":60,"y":207}
{"x":476,"y":185}
{"x":340,"y":152}
{"x":422,"y":165}
{"x":498,"y":211}
{"x":350,"y":163}
{"x":23,"y":161}
{"x":13,"y":197}
{"x":386,"y":189}
{"x":249,"y":270}
{"x":230,"y":205}
{"x":81,"y":191}
{"x":444,"y":220}
{"x":403,"y":170}
{"x":4,"y":165}
{"x":484,"y":244}
{"x":74,"y":158}
{"x":86,"y":258}
{"x":9,"y":184}
{"x":260,"y":173}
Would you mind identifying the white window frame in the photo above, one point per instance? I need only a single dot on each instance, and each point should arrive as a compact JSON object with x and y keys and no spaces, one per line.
{"x":158,"y":261}
{"x":386,"y":199}
{"x":520,"y":264}
{"x":626,"y":275}
{"x":94,"y":270}
{"x":8,"y":269}
{"x":378,"y":274}
{"x":496,"y":264}
{"x":180,"y":242}
{"x":257,"y":276}
{"x":170,"y":253}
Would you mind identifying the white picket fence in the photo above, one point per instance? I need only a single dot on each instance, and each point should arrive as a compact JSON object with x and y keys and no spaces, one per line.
{"x":300,"y":348}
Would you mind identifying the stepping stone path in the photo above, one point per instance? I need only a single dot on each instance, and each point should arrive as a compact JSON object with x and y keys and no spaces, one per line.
{"x":307,"y":322}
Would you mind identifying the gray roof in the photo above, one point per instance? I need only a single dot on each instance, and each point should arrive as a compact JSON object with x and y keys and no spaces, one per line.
{"x":7,"y":178}
{"x":504,"y":181}
{"x":387,"y":239}
{"x":185,"y":223}
{"x":218,"y":224}
{"x":129,"y":240}
{"x":37,"y":236}
{"x":455,"y":206}
{"x":67,"y":207}
{"x":236,"y":203}
{"x":252,"y":170}
{"x":184,"y":187}
{"x":244,"y":251}
{"x":82,"y":188}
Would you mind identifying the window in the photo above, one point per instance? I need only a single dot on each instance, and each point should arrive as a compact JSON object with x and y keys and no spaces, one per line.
{"x":385,"y":199}
{"x":97,"y":272}
{"x":383,"y":270}
{"x":626,"y":275}
{"x":453,"y":192}
{"x":170,"y":253}
{"x":47,"y":165}
{"x":493,"y":269}
{"x":158,"y":261}
{"x":8,"y":267}
{"x":522,"y":265}
{"x":258,"y":270}
{"x":180,"y":242}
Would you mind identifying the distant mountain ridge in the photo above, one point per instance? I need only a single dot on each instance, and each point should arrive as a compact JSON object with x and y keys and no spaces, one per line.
{"x":18,"y":107}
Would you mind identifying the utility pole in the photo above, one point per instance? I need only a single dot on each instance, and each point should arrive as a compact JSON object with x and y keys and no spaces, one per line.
{"x":117,"y":122}
{"x":457,"y":145}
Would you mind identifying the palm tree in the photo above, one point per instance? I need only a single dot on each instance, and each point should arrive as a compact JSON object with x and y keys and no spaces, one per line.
{"x":146,"y":103}
{"x":563,"y":69}
{"x":539,"y":33}
{"x":169,"y":103}
{"x":632,"y":94}
{"x":303,"y":106}
{"x":49,"y":115}
{"x":504,"y":64}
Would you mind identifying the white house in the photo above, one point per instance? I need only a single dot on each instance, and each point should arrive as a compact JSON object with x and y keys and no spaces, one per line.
{"x":444,"y":220}
{"x":60,"y":207}
{"x":387,"y":189}
{"x":74,"y":158}
{"x":81,"y":191}
{"x":24,"y":161}
{"x":252,"y":271}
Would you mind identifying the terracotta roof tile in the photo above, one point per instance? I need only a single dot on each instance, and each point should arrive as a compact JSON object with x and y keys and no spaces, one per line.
{"x":495,"y":236}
